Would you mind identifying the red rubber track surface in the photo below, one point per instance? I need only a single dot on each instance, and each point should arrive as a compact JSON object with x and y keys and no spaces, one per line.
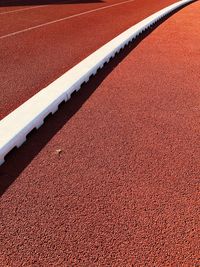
{"x":30,"y":61}
{"x":118,"y":185}
{"x":43,"y":14}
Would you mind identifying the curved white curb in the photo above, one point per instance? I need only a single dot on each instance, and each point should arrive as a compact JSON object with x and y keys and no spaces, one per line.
{"x":15,"y":127}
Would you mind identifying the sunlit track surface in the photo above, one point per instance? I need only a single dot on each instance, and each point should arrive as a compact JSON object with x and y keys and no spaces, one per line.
{"x":46,"y":53}
{"x":113,"y":178}
{"x":37,"y":26}
{"x":32,"y":113}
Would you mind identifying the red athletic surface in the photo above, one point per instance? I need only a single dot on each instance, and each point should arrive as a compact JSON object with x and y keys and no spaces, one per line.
{"x":124,"y":188}
{"x":29,"y":61}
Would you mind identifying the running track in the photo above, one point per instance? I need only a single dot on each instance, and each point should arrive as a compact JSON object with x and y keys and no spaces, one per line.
{"x":31,"y":60}
{"x":117,"y":183}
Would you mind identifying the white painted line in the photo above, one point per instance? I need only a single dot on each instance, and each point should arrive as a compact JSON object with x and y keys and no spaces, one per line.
{"x":62,"y":19}
{"x":33,"y":7}
{"x":15,"y":127}
{"x":21,"y":9}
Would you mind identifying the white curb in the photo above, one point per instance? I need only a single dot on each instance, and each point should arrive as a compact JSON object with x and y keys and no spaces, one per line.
{"x":15,"y":127}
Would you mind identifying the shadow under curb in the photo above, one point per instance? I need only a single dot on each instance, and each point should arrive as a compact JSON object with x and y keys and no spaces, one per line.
{"x":19,"y":159}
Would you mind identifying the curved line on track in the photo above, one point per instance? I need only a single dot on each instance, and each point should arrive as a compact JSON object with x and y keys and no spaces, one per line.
{"x":65,"y":18}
